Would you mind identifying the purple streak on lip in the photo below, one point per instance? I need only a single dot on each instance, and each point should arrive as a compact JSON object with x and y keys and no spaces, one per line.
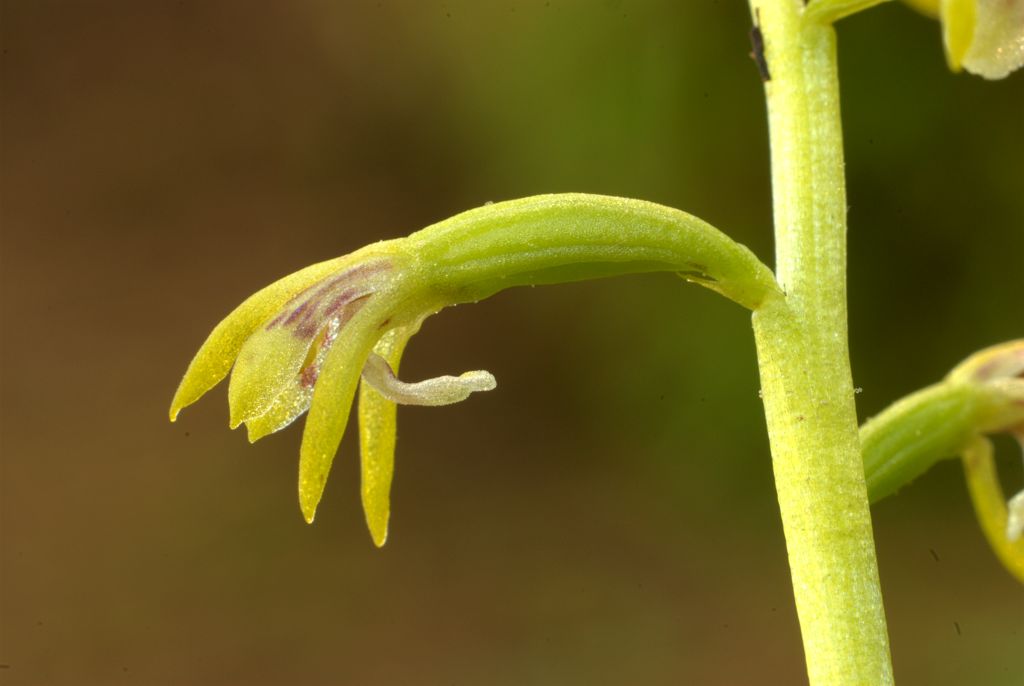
{"x":342,"y":308}
{"x":308,"y":375}
{"x":342,"y":299}
{"x":361,"y":271}
{"x":1010,"y":370}
{"x":300,"y":315}
{"x":298,"y":311}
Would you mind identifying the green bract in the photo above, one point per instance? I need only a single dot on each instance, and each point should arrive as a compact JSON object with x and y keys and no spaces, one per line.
{"x":303,"y":342}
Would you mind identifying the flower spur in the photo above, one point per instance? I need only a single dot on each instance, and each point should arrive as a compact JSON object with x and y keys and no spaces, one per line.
{"x":303,"y":343}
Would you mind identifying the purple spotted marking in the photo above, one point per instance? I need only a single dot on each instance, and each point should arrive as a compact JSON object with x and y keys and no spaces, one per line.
{"x":308,"y":376}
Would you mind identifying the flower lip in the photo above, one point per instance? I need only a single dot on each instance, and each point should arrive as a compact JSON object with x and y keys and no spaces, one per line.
{"x":441,"y":390}
{"x":278,"y":365}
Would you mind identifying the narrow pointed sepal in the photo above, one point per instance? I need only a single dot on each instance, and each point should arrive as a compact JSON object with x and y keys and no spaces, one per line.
{"x":377,"y":436}
{"x":959,"y":18}
{"x":332,"y":400}
{"x":990,"y":506}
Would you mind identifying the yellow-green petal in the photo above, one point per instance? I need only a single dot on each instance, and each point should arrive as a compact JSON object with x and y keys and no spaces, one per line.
{"x":286,"y":408}
{"x":296,"y":396}
{"x":268,"y":363}
{"x":332,"y":401}
{"x":958,"y":21}
{"x":216,"y":356}
{"x":928,"y":8}
{"x":990,"y":505}
{"x":377,"y":435}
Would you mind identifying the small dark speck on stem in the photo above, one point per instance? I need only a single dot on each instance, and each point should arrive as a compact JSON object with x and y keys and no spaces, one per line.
{"x":956,"y":625}
{"x":934,"y":554}
{"x":757,"y":43}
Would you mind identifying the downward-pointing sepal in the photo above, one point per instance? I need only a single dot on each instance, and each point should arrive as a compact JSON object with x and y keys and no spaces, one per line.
{"x":377,"y":438}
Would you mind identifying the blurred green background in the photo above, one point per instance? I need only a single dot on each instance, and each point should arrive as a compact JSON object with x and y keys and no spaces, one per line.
{"x":607,"y":516}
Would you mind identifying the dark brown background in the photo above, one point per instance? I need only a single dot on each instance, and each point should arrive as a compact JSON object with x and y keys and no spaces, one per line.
{"x":605,"y":517}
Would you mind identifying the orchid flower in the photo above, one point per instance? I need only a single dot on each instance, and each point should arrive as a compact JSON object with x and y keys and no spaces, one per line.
{"x":303,"y":343}
{"x":1000,"y":369}
{"x":985,"y":37}
{"x":982,"y":395}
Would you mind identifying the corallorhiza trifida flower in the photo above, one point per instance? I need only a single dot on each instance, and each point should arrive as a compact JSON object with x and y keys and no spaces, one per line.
{"x":303,"y":343}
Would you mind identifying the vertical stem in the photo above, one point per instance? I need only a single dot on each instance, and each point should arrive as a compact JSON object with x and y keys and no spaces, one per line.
{"x":804,"y":360}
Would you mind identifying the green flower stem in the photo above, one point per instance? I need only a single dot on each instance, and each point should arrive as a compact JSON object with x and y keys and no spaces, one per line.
{"x":983,"y":394}
{"x":804,"y":361}
{"x":933,"y":424}
{"x":549,"y":239}
{"x":914,"y":433}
